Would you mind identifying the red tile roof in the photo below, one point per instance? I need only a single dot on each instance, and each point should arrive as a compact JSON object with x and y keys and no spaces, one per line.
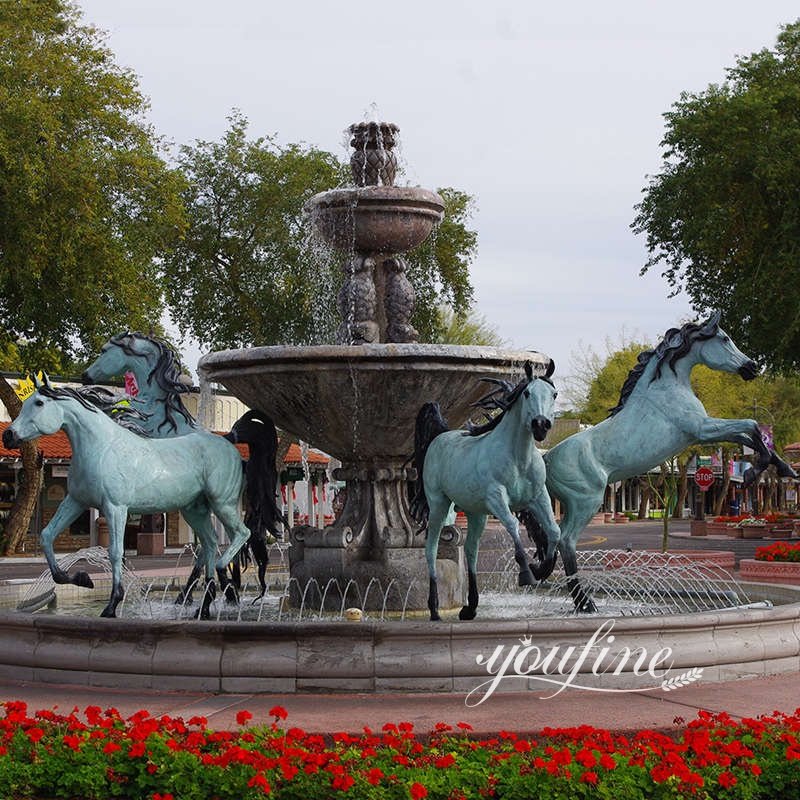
{"x":57,"y":446}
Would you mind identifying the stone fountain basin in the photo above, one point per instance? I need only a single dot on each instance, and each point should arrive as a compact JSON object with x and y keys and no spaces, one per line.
{"x":375,"y":219}
{"x":359,"y":403}
{"x":377,"y":656}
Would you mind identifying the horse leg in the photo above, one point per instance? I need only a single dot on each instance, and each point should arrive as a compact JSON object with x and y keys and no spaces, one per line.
{"x":497,"y":504}
{"x":116,"y":516}
{"x":577,"y":515}
{"x":260,"y":550}
{"x":475,"y":525}
{"x":542,"y":510}
{"x":238,"y":534}
{"x":198,"y":517}
{"x":69,"y":510}
{"x":438,"y":510}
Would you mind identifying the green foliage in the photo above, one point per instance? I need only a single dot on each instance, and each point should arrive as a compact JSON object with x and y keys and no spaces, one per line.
{"x":86,"y":201}
{"x":470,"y":328}
{"x":247,"y":273}
{"x":604,"y":390}
{"x":722,"y":218}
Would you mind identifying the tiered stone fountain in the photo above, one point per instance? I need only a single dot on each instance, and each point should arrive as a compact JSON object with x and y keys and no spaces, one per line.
{"x":357,"y":400}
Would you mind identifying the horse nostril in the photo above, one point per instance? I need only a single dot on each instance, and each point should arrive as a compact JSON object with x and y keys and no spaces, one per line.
{"x":9,"y":439}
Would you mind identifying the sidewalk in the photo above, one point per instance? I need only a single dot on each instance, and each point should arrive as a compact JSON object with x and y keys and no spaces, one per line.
{"x":522,"y":712}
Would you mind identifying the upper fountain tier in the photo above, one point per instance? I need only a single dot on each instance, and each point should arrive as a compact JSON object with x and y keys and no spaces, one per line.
{"x":376,"y":216}
{"x":375,"y":219}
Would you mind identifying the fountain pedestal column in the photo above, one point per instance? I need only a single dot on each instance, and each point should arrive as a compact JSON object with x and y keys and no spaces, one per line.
{"x":373,"y":557}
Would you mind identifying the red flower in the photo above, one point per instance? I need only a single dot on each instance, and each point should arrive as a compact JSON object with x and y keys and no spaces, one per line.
{"x":443,"y":762}
{"x":589,"y":777}
{"x":279,"y":712}
{"x":522,"y":746}
{"x":73,"y":742}
{"x":727,"y":779}
{"x":242,"y":717}
{"x":417,"y":790}
{"x":342,"y":782}
{"x":374,"y":776}
{"x":159,"y":796}
{"x":137,"y":750}
{"x":465,"y":726}
{"x":111,"y":747}
{"x":34,"y":734}
{"x":259,"y":780}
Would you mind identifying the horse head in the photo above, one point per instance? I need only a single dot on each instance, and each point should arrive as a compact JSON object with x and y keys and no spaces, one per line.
{"x":538,"y":401}
{"x":40,"y":416}
{"x":717,"y":351}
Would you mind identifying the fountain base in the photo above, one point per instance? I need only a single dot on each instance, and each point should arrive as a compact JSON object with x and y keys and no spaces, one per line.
{"x":330,"y":574}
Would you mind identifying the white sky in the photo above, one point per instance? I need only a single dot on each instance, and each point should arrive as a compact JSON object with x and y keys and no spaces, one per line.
{"x":549,"y":114}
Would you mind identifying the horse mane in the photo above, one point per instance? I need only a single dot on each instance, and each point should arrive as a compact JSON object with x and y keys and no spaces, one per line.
{"x":502,"y":399}
{"x":667,"y":352}
{"x":98,"y":398}
{"x":165,"y":372}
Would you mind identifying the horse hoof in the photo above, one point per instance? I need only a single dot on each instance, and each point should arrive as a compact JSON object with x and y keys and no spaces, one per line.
{"x":467,"y":613}
{"x":82,"y":579}
{"x":587,"y":607}
{"x":526,"y":578}
{"x":108,"y":613}
{"x":435,"y":616}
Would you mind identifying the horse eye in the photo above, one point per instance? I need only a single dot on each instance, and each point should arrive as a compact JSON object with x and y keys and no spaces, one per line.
{"x":39,"y":402}
{"x":526,"y":393}
{"x":555,"y":395}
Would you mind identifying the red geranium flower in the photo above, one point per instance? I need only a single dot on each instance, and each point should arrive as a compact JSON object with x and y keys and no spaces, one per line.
{"x":417,"y":791}
{"x":279,"y":712}
{"x":242,"y":717}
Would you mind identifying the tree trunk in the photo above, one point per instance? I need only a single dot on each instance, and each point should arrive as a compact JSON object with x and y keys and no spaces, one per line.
{"x":719,"y":504}
{"x":683,"y":488}
{"x":645,"y":496}
{"x":19,"y":519}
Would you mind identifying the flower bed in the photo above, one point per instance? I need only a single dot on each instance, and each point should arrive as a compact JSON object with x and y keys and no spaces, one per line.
{"x":773,"y":563}
{"x":780,"y":551}
{"x":99,"y":755}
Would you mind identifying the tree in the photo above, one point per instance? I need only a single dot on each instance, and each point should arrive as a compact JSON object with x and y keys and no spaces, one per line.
{"x":469,"y":328}
{"x":87,"y":202}
{"x":722,"y":218}
{"x":247,"y":273}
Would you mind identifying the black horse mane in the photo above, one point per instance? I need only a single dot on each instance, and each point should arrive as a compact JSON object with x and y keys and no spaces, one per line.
{"x":98,"y":398}
{"x":667,"y":352}
{"x":165,"y":373}
{"x":502,"y":398}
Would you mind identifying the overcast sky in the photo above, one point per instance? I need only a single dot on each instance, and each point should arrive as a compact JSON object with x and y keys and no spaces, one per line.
{"x":549,"y":114}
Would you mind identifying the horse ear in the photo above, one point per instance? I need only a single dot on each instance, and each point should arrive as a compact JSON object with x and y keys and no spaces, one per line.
{"x":528,"y":370}
{"x":551,"y":368}
{"x":712,"y":323}
{"x":47,"y":381}
{"x":37,"y":384}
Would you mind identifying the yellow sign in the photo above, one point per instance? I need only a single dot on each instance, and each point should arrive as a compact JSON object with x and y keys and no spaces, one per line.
{"x":25,"y":387}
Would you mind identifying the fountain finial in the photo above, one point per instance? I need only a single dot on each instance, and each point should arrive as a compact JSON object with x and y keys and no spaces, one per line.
{"x":373,"y":163}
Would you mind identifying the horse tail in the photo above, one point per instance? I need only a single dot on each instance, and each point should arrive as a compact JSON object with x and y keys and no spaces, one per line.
{"x":430,"y":423}
{"x":258,"y":431}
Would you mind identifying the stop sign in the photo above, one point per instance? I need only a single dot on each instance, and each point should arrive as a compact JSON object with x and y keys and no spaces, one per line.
{"x":704,"y":478}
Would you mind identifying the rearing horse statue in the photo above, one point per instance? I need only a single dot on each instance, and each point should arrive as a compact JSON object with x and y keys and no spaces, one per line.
{"x":657,"y":417}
